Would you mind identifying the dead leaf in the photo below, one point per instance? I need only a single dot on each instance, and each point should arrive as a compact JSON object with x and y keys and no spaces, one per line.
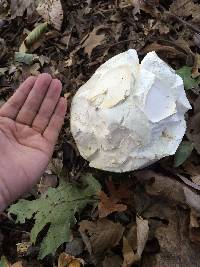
{"x":194,"y":228}
{"x":196,"y":67}
{"x":142,"y":234}
{"x":17,"y":264}
{"x":175,"y":248}
{"x":103,"y":235}
{"x":193,"y":127}
{"x":93,"y":40}
{"x":146,"y":6}
{"x":130,"y":257}
{"x":107,"y":206}
{"x":192,"y":199}
{"x":48,"y":180}
{"x":128,"y":254}
{"x":193,"y":171}
{"x":52,"y":11}
{"x":170,"y":52}
{"x":18,"y":7}
{"x":112,"y":261}
{"x":121,"y":191}
{"x":66,"y":260}
{"x":188,"y":182}
{"x":161,"y":27}
{"x":159,"y":185}
{"x":185,"y":8}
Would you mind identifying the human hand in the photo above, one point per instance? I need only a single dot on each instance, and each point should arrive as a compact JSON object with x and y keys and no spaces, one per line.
{"x":30,"y":122}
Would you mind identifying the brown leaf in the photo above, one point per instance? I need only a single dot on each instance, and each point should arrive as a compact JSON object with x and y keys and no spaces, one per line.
{"x":18,"y":7}
{"x":52,"y":11}
{"x":185,"y":8}
{"x":146,"y":6}
{"x":128,"y":254}
{"x":119,"y":192}
{"x":107,"y":206}
{"x":130,"y":257}
{"x":112,"y":261}
{"x":193,"y":171}
{"x":196,"y":67}
{"x":159,"y":185}
{"x":161,"y":27}
{"x":66,"y":260}
{"x":142,"y":235}
{"x":103,"y":235}
{"x":48,"y":180}
{"x":192,"y":199}
{"x":93,"y":40}
{"x":193,"y":129}
{"x":170,"y":52}
{"x":194,"y":229}
{"x":175,"y":247}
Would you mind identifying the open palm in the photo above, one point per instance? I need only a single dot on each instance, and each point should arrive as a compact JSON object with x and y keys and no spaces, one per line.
{"x":30,"y":122}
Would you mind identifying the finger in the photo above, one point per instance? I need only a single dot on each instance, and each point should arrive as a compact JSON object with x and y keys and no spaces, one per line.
{"x":47,"y":108}
{"x":32,"y":104}
{"x":52,"y":131}
{"x":11,"y":108}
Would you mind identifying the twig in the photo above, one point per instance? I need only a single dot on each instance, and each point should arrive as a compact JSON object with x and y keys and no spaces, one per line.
{"x":192,"y":27}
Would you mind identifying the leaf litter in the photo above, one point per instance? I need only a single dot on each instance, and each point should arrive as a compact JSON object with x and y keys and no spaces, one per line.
{"x":140,"y":218}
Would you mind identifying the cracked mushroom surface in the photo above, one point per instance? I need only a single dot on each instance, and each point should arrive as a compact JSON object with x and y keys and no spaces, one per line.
{"x":129,"y":115}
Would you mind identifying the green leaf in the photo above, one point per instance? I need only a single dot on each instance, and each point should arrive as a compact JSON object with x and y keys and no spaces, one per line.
{"x":57,"y":208}
{"x":24,"y":58}
{"x":183,"y":153}
{"x":36,"y":34}
{"x":186,"y":74}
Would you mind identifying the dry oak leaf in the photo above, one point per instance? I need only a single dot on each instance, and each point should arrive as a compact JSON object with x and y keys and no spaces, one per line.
{"x":103,"y":235}
{"x":186,"y":8}
{"x":93,"y":40}
{"x":107,"y":206}
{"x":51,"y":11}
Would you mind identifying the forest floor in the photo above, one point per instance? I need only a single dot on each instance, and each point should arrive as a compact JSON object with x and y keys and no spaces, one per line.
{"x":147,"y":218}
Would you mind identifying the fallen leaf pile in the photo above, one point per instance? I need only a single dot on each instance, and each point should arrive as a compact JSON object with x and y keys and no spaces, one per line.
{"x":77,"y":216}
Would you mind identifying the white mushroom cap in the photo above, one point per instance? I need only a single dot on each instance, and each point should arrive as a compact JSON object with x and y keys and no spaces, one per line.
{"x":129,"y":115}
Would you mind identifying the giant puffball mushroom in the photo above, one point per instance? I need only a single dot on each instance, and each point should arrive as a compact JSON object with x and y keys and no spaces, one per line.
{"x":129,"y":115}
